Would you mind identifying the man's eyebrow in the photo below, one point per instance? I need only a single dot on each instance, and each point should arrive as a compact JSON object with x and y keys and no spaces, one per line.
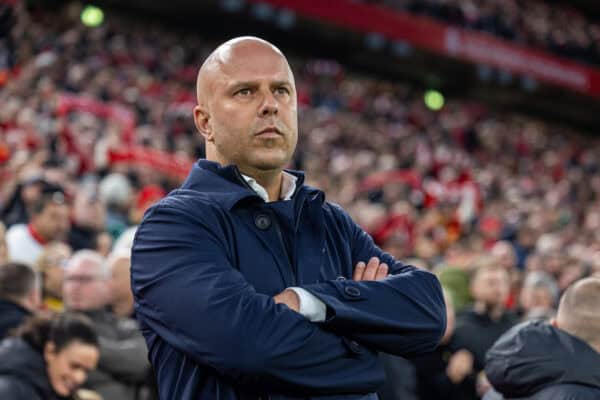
{"x":253,"y":84}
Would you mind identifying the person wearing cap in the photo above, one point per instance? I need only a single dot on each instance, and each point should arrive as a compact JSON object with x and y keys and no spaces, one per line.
{"x":247,"y":283}
{"x":49,"y":221}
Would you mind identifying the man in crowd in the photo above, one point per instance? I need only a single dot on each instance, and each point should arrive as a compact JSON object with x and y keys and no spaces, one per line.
{"x":478,"y":327}
{"x":20,"y":295}
{"x":49,"y":221}
{"x":247,"y":283}
{"x":123,"y":365}
{"x":561,"y":360}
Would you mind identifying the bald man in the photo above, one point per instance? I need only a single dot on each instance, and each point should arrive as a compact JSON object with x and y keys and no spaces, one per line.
{"x":561,"y":360}
{"x":247,"y":283}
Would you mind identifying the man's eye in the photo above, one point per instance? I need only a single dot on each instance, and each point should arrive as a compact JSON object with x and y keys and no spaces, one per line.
{"x":243,"y":92}
{"x":282,"y":90}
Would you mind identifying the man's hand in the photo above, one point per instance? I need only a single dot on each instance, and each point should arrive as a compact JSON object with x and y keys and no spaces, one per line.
{"x":459,"y":366}
{"x":373,"y":271}
{"x":289,"y":298}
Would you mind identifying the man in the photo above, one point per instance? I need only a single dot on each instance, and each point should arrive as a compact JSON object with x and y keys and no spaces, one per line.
{"x":561,"y":360}
{"x":123,"y":364}
{"x":20,"y":295}
{"x":243,"y":278}
{"x":478,"y":327}
{"x":49,"y":221}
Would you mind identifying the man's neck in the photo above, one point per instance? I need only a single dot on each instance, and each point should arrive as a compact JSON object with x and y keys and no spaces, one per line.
{"x":122,"y":308}
{"x":495,"y":313}
{"x":269,"y":180}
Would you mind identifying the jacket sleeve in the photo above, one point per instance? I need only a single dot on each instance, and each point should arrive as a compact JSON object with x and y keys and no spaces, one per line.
{"x":189,"y":294}
{"x":403,"y":314}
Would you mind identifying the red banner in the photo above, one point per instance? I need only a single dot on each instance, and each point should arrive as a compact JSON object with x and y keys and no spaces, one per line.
{"x":425,"y":33}
{"x":117,"y":112}
{"x":166,"y":163}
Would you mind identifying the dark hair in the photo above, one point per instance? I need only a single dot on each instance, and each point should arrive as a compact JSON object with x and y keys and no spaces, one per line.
{"x":50,"y":194}
{"x":16,"y":281}
{"x":60,"y":329}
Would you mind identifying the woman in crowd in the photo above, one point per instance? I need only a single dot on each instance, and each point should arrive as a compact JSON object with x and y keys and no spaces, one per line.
{"x":48,"y":358}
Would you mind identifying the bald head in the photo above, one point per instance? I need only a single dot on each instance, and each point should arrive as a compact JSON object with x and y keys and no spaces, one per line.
{"x":231,"y":53}
{"x":578,"y":311}
{"x":247,"y":108}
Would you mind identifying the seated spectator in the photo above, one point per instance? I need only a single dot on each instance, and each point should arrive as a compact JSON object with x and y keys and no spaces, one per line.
{"x":49,"y":222}
{"x":19,"y":295}
{"x":560,"y":360}
{"x":51,"y":265}
{"x":119,"y":264}
{"x":123,"y":365}
{"x":478,"y":327}
{"x":48,"y":359}
{"x":3,"y":247}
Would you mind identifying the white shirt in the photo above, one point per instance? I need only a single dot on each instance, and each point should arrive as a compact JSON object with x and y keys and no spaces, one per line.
{"x":22,"y":246}
{"x":311,"y":307}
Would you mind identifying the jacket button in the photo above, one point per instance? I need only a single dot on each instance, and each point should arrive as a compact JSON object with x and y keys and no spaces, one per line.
{"x":341,"y":278}
{"x":352,"y":291}
{"x":262,"y":221}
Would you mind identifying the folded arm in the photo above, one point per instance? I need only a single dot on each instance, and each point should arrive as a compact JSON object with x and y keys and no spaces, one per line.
{"x":402,"y":314}
{"x":188,"y":292}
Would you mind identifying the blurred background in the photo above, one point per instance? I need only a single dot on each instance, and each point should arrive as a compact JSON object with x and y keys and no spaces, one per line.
{"x":463,"y":135}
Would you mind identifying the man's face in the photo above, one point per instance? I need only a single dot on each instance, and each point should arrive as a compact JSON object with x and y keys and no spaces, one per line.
{"x":84,"y":287}
{"x":491,"y":287}
{"x":251,"y":109}
{"x":53,"y":222}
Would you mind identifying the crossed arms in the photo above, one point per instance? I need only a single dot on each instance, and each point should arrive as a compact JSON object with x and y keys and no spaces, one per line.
{"x":195,"y":300}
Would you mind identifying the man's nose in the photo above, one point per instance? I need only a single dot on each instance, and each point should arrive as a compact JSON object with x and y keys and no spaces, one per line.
{"x":269,"y":106}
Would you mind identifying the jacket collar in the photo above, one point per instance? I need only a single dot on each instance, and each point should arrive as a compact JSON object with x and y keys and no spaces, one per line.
{"x":227,"y":183}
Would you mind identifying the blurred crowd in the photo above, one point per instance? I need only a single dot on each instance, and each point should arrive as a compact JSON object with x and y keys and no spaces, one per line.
{"x":503,"y":207}
{"x":557,"y":27}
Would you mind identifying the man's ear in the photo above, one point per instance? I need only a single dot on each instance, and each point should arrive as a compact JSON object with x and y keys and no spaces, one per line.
{"x":554,"y":322}
{"x":202,"y":121}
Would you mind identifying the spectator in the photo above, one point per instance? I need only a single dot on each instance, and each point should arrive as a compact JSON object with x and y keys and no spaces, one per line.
{"x":123,"y":365}
{"x":48,"y":359}
{"x":537,"y":360}
{"x":447,"y":372}
{"x":538,"y":296}
{"x":49,"y":222}
{"x":19,"y":295}
{"x":119,"y":264}
{"x":51,"y":265}
{"x":478,"y":327}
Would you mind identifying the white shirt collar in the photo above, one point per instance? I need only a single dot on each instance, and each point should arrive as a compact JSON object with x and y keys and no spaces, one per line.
{"x":288,"y":187}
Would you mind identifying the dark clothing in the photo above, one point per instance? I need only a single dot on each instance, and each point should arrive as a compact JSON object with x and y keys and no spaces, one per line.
{"x":23,"y":372}
{"x":12,"y":316}
{"x":207,"y":261}
{"x":123,"y":367}
{"x":400,"y":379}
{"x":478,"y":332}
{"x":536,"y":361}
{"x":432,"y":381}
{"x":81,"y":237}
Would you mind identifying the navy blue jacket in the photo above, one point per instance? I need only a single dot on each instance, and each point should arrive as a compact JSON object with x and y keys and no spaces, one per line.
{"x":536,"y":361}
{"x":207,"y":261}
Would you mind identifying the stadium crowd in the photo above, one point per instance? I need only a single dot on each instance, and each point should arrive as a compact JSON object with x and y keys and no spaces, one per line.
{"x":503,"y":207}
{"x":559,"y":28}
